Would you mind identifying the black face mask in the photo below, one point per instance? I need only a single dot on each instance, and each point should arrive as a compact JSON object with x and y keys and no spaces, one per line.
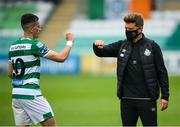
{"x":131,"y":34}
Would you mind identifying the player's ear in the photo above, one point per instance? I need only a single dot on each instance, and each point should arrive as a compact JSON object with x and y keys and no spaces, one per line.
{"x":31,"y":29}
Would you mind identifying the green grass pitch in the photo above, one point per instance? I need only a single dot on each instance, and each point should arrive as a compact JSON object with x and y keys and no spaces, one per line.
{"x":87,"y":100}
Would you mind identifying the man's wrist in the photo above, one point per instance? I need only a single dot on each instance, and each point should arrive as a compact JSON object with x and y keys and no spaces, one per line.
{"x":165,"y":98}
{"x":69,"y":43}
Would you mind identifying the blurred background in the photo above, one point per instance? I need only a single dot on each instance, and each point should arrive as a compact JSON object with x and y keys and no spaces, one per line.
{"x":82,"y":91}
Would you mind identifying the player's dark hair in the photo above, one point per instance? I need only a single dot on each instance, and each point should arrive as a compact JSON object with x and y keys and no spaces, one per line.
{"x":28,"y":20}
{"x":136,"y":18}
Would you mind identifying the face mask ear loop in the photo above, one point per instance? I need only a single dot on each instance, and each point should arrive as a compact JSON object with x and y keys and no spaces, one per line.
{"x":140,"y":28}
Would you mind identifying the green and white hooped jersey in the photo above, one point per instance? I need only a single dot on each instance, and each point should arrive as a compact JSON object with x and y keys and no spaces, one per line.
{"x":25,"y":56}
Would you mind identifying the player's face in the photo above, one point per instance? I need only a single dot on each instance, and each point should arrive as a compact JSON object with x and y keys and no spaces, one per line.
{"x":36,"y":30}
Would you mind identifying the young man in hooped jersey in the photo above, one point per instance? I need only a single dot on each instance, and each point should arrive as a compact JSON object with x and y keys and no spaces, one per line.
{"x":29,"y":106}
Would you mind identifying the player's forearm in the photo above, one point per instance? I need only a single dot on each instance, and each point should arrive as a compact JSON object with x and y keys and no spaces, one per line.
{"x":63,"y":55}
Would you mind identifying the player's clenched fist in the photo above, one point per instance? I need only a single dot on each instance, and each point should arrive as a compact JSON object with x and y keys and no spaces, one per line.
{"x":99,"y":43}
{"x":69,"y":37}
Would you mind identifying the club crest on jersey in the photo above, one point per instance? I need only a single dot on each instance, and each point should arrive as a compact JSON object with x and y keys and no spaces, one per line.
{"x":147,"y":52}
{"x":123,"y":50}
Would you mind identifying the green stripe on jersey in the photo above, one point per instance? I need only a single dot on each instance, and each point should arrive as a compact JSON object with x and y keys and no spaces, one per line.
{"x":28,"y":86}
{"x":31,"y":75}
{"x":20,"y":53}
{"x":29,"y":97}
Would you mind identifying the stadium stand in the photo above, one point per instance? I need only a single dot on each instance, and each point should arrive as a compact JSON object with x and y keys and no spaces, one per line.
{"x":10,"y":14}
{"x":59,"y":22}
{"x":87,"y":31}
{"x":173,"y":42}
{"x":162,"y":26}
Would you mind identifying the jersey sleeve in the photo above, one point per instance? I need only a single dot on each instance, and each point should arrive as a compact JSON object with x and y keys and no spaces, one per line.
{"x":40,"y":49}
{"x":9,"y":55}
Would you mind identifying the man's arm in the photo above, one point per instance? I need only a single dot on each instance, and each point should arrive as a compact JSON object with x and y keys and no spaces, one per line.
{"x":63,"y":54}
{"x":10,"y":69}
{"x":162,"y":76}
{"x":102,"y":50}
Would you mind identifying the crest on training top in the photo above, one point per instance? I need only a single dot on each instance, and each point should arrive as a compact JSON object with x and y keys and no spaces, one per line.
{"x":147,"y":52}
{"x":123,"y":50}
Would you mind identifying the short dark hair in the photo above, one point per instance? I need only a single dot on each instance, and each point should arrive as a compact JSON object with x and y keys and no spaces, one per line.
{"x":136,"y":18}
{"x":28,"y":20}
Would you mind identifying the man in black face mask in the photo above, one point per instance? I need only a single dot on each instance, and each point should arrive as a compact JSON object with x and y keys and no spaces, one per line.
{"x":141,"y":73}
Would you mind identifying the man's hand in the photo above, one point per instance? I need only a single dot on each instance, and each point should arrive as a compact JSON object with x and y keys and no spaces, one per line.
{"x":69,"y":37}
{"x":99,"y":43}
{"x":163,"y":104}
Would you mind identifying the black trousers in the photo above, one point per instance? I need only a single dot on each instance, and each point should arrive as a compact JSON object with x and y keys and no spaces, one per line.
{"x":132,"y":109}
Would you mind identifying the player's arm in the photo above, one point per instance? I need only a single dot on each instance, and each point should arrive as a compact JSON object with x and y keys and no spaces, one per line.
{"x":10,"y":69}
{"x":63,"y":54}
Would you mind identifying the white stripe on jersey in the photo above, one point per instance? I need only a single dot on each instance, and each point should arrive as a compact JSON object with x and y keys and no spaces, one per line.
{"x":30,"y":70}
{"x":28,"y":58}
{"x":31,"y":81}
{"x":20,"y":47}
{"x":23,"y":91}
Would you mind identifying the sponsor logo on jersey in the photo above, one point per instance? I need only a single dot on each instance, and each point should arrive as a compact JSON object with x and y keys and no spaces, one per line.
{"x":42,"y":48}
{"x":20,"y":47}
{"x":17,"y":82}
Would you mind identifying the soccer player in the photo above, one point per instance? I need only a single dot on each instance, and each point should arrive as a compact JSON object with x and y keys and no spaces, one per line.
{"x":29,"y":105}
